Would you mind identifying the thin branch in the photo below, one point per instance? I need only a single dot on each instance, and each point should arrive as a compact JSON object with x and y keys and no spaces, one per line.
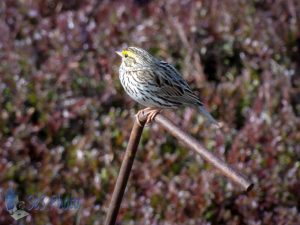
{"x":193,"y":144}
{"x":124,"y":173}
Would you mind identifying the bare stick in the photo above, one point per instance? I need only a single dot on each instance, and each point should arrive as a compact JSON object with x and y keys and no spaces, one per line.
{"x":125,"y":170}
{"x":181,"y":135}
{"x":192,"y":143}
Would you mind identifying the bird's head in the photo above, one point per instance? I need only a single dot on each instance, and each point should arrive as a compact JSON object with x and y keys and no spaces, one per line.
{"x":136,"y":57}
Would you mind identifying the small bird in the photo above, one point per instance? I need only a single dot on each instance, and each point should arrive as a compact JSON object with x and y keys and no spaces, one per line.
{"x":156,"y":84}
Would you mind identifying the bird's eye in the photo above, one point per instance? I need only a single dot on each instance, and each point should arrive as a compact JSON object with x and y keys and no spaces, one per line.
{"x":126,"y":55}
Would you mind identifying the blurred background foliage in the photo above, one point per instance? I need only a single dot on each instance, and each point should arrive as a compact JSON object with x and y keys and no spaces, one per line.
{"x":65,"y":119}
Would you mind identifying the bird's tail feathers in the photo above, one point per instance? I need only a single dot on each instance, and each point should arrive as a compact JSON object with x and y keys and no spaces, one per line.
{"x":209,"y":116}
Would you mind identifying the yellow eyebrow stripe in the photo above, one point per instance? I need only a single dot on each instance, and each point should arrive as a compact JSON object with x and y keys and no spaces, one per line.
{"x":126,"y":52}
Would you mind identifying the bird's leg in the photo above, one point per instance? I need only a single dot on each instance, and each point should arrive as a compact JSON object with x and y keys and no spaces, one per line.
{"x":150,"y":112}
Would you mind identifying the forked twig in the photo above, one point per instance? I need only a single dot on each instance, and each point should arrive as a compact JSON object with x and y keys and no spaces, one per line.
{"x":188,"y":140}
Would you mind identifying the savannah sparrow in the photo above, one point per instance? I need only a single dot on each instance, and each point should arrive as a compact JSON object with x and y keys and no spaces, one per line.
{"x":155,"y":83}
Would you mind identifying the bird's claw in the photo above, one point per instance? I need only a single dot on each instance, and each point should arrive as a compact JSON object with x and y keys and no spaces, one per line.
{"x":150,"y":113}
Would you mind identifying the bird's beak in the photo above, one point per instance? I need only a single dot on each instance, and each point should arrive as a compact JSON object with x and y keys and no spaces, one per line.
{"x":120,"y":54}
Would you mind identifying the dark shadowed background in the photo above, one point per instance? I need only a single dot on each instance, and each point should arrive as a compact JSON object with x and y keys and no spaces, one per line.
{"x":65,"y":119}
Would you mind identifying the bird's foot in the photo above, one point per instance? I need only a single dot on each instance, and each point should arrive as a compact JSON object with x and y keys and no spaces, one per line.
{"x":149,"y":112}
{"x":152,"y":114}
